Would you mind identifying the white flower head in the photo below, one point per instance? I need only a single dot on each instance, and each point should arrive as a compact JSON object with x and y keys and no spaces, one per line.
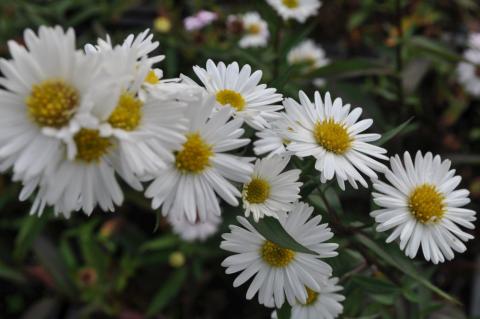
{"x":474,"y":41}
{"x":271,"y":141}
{"x":240,"y":90}
{"x":469,"y":72}
{"x":298,"y":10}
{"x":308,"y":53}
{"x":269,"y":192}
{"x":325,"y":304}
{"x":423,"y":208}
{"x":197,"y":230}
{"x":201,"y":168}
{"x":278,"y":272}
{"x":255,"y":30}
{"x":49,"y":87}
{"x":329,"y":131}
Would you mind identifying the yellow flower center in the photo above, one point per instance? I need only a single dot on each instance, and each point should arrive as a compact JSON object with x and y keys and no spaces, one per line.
{"x":292,"y":4}
{"x":257,"y":191}
{"x":311,"y":297}
{"x":90,"y":145}
{"x":127,"y":114}
{"x":253,"y":29}
{"x":426,"y":203}
{"x":332,"y":136}
{"x":151,"y":78}
{"x":52,"y":103}
{"x":162,"y":24}
{"x":194,"y":156}
{"x":275,"y":255}
{"x":233,"y":98}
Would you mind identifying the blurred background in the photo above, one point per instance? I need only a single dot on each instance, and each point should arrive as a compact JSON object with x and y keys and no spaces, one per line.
{"x":396,"y":59}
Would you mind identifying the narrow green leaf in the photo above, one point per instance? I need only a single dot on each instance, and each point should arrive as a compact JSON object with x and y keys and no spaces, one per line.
{"x":433,"y":48}
{"x":393,"y":132}
{"x":352,"y":68}
{"x":285,"y":312}
{"x":31,"y":227}
{"x":404,"y":267}
{"x":271,"y":229}
{"x":11,"y":274}
{"x":163,"y":242}
{"x":169,"y":290}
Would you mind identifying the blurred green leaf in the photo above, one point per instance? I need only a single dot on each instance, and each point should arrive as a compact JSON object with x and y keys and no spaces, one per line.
{"x":352,"y":68}
{"x":405,"y":267}
{"x":29,"y":230}
{"x":433,"y":48}
{"x":271,"y":229}
{"x":169,"y":290}
{"x":9,"y":273}
{"x":285,"y":311}
{"x":164,"y":242}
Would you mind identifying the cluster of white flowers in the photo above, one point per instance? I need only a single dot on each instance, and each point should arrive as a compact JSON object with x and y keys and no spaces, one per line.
{"x":73,"y":121}
{"x":468,"y":71}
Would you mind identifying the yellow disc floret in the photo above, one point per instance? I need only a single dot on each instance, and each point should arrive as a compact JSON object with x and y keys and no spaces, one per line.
{"x":127,"y":114}
{"x":194,"y":156}
{"x":311,"y":297}
{"x":276,"y":256}
{"x":231,"y":97}
{"x":332,"y":136}
{"x":292,"y":4}
{"x":90,"y":145}
{"x":151,"y":78}
{"x":253,"y":29}
{"x":52,"y":103}
{"x":426,"y":203}
{"x":257,"y":191}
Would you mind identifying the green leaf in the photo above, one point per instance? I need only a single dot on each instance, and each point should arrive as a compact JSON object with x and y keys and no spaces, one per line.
{"x":433,"y":48}
{"x":168,"y":291}
{"x":352,"y":68}
{"x":163,"y":242}
{"x":271,"y":229}
{"x":31,"y":227}
{"x":374,"y":285}
{"x":403,"y":266}
{"x":285,"y":312}
{"x":394,"y":132}
{"x":11,"y":274}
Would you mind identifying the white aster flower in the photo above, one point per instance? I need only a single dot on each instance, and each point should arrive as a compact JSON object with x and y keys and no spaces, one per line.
{"x":280,"y":272}
{"x":423,"y":208}
{"x":255,"y":30}
{"x":49,"y":87}
{"x":147,"y":129}
{"x":186,"y":188}
{"x":474,"y":41}
{"x":325,"y":304}
{"x":298,"y":10}
{"x":469,"y":72}
{"x":329,"y":131}
{"x":197,"y":230}
{"x":309,"y":54}
{"x":239,"y":89}
{"x":269,"y":192}
{"x":271,"y":141}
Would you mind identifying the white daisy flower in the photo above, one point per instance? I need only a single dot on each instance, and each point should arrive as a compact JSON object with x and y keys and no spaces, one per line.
{"x":271,"y":141}
{"x":147,"y":129}
{"x":197,"y":230}
{"x":239,"y":89}
{"x":49,"y":87}
{"x":269,"y":192}
{"x":423,"y":208}
{"x":186,"y":188}
{"x":469,"y":72}
{"x":474,"y":41}
{"x":309,"y":54}
{"x":325,"y":304}
{"x":255,"y":30}
{"x":329,"y":131}
{"x":280,"y":272}
{"x":298,"y":10}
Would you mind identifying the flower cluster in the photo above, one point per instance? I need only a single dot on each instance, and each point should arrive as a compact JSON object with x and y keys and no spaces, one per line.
{"x":468,"y":70}
{"x":74,"y":122}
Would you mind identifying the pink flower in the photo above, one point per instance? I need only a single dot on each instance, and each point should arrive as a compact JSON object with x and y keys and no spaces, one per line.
{"x":199,"y":20}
